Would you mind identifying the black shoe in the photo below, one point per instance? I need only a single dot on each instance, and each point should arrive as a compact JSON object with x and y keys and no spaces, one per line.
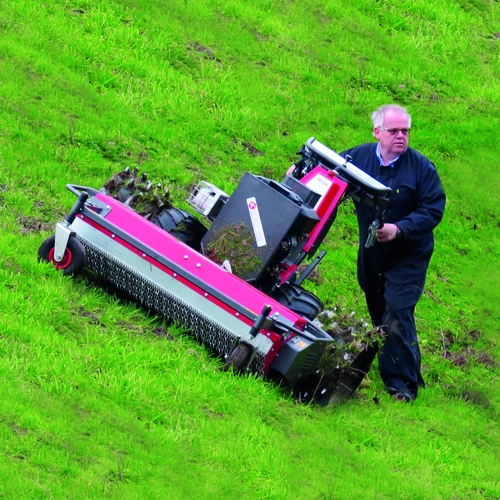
{"x":403,"y":397}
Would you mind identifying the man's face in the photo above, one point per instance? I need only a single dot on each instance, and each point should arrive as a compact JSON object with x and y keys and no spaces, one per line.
{"x":393,"y":136}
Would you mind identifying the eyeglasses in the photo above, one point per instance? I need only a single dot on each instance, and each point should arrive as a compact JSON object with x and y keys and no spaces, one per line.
{"x":394,"y":131}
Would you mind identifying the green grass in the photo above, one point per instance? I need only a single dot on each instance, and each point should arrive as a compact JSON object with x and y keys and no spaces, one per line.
{"x":94,"y":404}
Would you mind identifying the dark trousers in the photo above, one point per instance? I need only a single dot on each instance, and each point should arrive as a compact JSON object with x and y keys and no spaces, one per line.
{"x":392,"y":306}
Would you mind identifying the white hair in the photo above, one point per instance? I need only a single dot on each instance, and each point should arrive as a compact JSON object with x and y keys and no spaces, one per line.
{"x":379,"y":115}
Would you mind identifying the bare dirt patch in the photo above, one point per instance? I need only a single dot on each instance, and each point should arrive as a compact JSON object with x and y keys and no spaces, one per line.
{"x":33,"y":225}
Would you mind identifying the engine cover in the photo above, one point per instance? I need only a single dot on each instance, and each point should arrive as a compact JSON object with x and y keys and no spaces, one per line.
{"x":269,"y":213}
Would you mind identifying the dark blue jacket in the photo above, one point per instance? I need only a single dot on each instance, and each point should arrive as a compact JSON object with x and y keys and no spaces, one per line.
{"x":416,"y":205}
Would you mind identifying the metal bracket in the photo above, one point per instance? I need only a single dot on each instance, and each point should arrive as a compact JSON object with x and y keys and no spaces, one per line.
{"x":63,"y":232}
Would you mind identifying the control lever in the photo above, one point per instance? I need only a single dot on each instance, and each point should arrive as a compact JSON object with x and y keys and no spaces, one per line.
{"x":372,"y":232}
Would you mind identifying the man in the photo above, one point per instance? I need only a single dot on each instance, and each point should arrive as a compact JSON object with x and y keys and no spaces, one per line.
{"x":392,"y":272}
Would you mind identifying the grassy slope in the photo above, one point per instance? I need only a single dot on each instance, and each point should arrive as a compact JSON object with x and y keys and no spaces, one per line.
{"x":95,"y":405}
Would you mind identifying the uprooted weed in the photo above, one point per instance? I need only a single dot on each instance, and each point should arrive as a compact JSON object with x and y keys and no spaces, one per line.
{"x":352,"y":334}
{"x":138,"y":192}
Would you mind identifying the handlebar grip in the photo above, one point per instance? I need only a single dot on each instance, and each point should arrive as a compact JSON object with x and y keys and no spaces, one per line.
{"x":77,"y":207}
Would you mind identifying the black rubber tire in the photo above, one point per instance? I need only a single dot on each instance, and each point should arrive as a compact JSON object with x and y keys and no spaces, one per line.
{"x":182,"y":225}
{"x":239,"y":357}
{"x":298,"y":300}
{"x":74,"y":259}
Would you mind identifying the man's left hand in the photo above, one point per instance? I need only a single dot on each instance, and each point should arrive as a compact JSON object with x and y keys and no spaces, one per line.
{"x":387,"y":233}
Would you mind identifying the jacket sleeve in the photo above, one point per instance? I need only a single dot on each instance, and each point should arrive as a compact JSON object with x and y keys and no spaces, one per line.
{"x":430,"y":205}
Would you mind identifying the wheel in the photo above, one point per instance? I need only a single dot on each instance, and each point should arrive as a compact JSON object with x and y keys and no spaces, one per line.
{"x":239,"y":357}
{"x":298,"y":300}
{"x":182,"y":225}
{"x":74,"y":258}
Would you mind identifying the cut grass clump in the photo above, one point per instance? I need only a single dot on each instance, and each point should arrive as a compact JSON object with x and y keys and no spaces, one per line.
{"x":235,"y":246}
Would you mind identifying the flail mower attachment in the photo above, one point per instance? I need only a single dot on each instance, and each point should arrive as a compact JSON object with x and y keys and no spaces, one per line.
{"x":235,"y":285}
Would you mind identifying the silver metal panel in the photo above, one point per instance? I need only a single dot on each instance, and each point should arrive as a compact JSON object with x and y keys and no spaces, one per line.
{"x":132,"y":273}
